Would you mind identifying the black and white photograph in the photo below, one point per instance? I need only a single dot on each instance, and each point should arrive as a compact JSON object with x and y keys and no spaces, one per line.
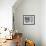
{"x":29,"y":19}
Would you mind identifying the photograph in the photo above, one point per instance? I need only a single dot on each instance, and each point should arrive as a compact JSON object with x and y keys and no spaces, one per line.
{"x":29,"y":19}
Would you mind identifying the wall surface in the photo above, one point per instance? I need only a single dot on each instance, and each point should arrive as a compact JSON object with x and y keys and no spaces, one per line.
{"x":43,"y":22}
{"x":6,"y":13}
{"x":36,"y":32}
{"x":29,"y":7}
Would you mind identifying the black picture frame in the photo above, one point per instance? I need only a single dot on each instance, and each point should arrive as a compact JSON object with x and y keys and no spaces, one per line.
{"x":29,"y":19}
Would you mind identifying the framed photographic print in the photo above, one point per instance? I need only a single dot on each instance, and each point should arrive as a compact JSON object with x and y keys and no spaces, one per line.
{"x":28,"y":19}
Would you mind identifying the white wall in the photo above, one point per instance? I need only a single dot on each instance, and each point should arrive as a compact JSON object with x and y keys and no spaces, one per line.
{"x":6,"y":13}
{"x":43,"y":22}
{"x":29,"y":7}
